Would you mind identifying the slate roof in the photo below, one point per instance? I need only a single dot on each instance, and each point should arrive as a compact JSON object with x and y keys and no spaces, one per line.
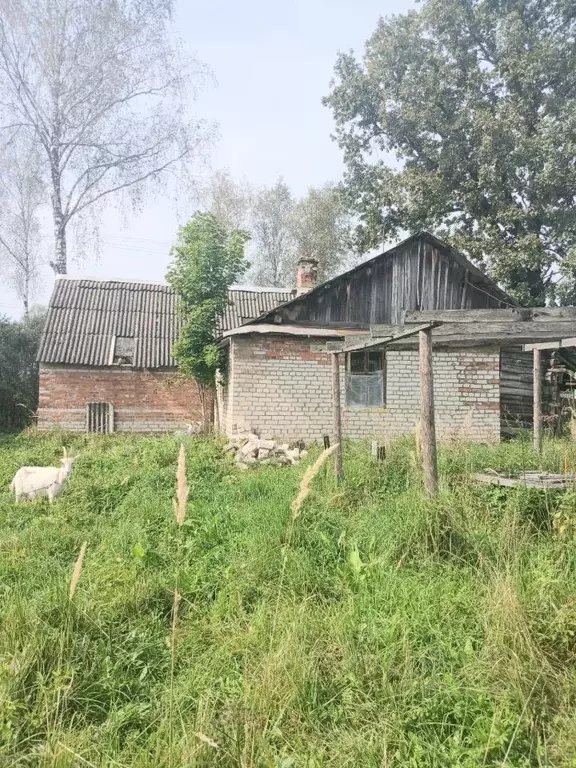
{"x":84,"y":316}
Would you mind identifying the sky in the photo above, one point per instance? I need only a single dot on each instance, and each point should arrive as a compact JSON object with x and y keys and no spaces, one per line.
{"x":272,"y":64}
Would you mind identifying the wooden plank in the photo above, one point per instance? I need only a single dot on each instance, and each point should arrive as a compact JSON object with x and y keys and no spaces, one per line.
{"x":358,"y":343}
{"x":427,"y":422}
{"x":500,"y":333}
{"x":542,"y":345}
{"x":467,"y":315}
{"x":464,"y":290}
{"x":337,"y":415}
{"x":520,"y":314}
{"x":537,"y":401}
{"x":543,"y":481}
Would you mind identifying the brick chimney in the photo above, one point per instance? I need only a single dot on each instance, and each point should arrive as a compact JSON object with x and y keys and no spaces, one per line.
{"x":307,"y":275}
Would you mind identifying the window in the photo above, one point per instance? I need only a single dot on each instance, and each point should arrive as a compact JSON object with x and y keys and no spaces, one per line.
{"x":123,"y":350}
{"x":365,"y":379}
{"x":99,"y":417}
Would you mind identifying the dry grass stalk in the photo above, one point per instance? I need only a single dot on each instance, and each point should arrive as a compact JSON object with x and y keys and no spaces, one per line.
{"x":181,"y":488}
{"x":418,"y":431}
{"x":307,"y":478}
{"x":206,"y":740}
{"x":77,"y":569}
{"x":573,"y":425}
{"x":175,"y":607}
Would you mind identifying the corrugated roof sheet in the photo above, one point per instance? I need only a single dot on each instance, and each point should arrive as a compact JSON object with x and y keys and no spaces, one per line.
{"x":85,"y":315}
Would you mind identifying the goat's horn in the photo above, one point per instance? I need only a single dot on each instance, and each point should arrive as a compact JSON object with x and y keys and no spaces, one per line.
{"x":65,"y":452}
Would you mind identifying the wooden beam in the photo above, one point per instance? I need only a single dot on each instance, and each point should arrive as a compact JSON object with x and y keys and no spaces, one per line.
{"x":513,"y":315}
{"x":337,"y":415}
{"x":560,"y":344}
{"x":537,"y":376}
{"x":467,"y":315}
{"x":427,"y":422}
{"x":489,"y":333}
{"x":358,"y":343}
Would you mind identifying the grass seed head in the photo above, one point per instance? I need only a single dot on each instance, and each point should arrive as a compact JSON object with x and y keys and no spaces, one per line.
{"x":181,"y":488}
{"x":307,"y":479}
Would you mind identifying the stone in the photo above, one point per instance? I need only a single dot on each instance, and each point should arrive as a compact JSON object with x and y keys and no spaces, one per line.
{"x":293,"y":454}
{"x":263,"y":453}
{"x":249,"y":449}
{"x":267,"y":445}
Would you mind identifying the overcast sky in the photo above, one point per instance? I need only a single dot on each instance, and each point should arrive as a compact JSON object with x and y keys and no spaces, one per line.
{"x":273,"y":63}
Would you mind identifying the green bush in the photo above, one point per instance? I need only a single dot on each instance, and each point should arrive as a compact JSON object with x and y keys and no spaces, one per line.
{"x":19,"y":371}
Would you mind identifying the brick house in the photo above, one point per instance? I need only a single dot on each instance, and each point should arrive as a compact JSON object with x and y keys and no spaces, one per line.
{"x":105,"y":357}
{"x":280,"y":380}
{"x":105,"y":360}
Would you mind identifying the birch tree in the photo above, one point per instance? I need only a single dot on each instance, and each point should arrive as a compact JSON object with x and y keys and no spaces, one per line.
{"x":229,"y":201}
{"x":101,"y":89}
{"x":321,"y":227}
{"x":272,"y":232}
{"x":22,"y":193}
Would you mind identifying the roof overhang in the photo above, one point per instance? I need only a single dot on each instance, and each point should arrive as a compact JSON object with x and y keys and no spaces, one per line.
{"x":289,"y":330}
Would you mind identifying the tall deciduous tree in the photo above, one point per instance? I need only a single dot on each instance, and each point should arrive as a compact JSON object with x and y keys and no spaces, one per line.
{"x":101,"y":89}
{"x":476,"y":100}
{"x":273,"y":238}
{"x":206,"y":260}
{"x":320,"y":227}
{"x":229,"y":200}
{"x":22,"y":194}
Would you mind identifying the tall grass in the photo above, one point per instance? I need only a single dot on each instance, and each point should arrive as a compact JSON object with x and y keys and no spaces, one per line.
{"x":406,"y":631}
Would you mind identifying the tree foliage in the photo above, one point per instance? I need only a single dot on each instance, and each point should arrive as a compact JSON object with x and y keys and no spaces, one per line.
{"x":18,"y":370}
{"x":271,"y":228}
{"x":286,"y":229}
{"x":476,"y":102}
{"x":320,"y":227}
{"x":229,"y":200}
{"x":100,"y":87}
{"x":21,"y":198}
{"x":206,"y":260}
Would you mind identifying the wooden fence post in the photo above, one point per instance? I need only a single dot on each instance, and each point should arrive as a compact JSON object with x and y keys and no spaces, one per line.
{"x":537,"y":386}
{"x":427,"y":423}
{"x":337,"y":415}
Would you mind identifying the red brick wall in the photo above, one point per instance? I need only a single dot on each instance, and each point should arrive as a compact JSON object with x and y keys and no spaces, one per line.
{"x":144,"y":401}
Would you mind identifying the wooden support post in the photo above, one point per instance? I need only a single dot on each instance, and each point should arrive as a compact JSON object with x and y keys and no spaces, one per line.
{"x":537,"y":386}
{"x":427,"y":424}
{"x":337,"y":415}
{"x":378,"y":451}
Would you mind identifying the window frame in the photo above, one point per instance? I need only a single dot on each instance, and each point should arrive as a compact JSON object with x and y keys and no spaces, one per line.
{"x":365,"y":353}
{"x":123,"y":344}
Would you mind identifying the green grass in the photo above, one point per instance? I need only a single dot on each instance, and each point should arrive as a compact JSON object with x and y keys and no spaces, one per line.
{"x":407,"y":632}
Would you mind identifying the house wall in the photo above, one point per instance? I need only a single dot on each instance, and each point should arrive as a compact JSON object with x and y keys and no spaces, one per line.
{"x":144,"y":401}
{"x":282,"y":387}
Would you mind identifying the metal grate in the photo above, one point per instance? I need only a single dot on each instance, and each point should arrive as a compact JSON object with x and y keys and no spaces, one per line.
{"x":99,"y":417}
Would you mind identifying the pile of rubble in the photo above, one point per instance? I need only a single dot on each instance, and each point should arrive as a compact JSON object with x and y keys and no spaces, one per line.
{"x":250,"y":449}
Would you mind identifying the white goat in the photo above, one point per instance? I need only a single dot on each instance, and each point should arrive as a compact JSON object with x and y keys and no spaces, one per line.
{"x":33,"y":482}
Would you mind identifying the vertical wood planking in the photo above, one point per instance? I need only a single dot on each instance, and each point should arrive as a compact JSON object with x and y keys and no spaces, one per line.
{"x":537,"y":385}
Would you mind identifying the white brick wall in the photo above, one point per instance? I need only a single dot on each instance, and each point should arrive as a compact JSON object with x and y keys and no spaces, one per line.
{"x":282,"y":387}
